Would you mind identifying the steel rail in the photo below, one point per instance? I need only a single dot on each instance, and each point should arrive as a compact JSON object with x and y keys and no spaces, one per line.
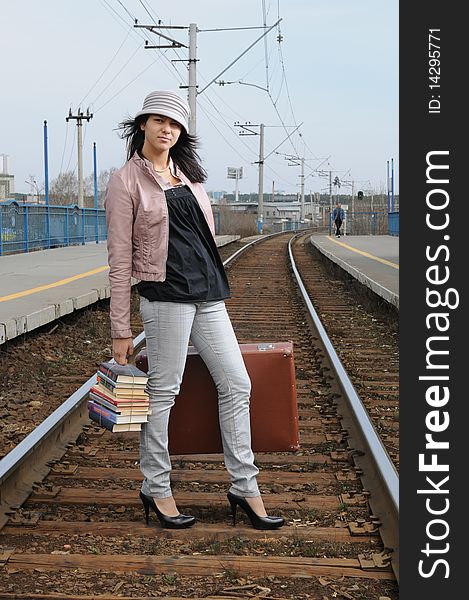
{"x":368,"y":446}
{"x":48,"y":441}
{"x":18,"y":473}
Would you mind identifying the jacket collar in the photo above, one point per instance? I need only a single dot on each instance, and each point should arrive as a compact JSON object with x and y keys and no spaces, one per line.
{"x":145,"y":163}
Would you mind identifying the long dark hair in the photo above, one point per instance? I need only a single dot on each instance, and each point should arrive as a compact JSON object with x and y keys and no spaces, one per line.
{"x":183,"y":153}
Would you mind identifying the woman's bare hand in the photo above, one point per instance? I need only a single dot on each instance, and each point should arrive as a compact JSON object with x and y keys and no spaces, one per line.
{"x":121,"y":349}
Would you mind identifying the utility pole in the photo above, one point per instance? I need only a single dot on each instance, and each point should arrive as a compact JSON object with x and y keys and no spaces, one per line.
{"x":260,"y":206}
{"x":46,"y":179}
{"x":392,"y":184}
{"x":95,"y":177}
{"x":336,"y":183}
{"x":302,"y":176}
{"x":175,"y":44}
{"x":95,"y":187}
{"x":247,"y":129}
{"x":192,"y":81}
{"x":387,"y":184}
{"x":46,"y":166}
{"x":353,"y":204}
{"x":294,"y":161}
{"x":79,"y":117}
{"x":193,"y":92}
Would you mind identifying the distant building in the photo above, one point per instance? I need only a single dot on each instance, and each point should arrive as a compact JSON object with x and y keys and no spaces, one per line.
{"x":5,"y":164}
{"x":7,"y":179}
{"x":272,"y":210}
{"x":7,"y":186}
{"x":281,"y":210}
{"x":217,"y":195}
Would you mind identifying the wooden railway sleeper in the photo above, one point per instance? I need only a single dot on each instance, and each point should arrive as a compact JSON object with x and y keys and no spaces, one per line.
{"x":378,"y":561}
{"x":339,"y":456}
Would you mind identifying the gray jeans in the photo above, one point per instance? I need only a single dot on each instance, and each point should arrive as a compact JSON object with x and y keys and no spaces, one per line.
{"x":168,"y":327}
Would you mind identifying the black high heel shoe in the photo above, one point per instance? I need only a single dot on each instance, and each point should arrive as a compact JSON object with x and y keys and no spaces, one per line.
{"x":256,"y":521}
{"x":179,"y":522}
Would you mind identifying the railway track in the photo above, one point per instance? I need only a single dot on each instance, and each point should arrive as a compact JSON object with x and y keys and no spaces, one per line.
{"x":365,"y":338}
{"x":81,"y":532}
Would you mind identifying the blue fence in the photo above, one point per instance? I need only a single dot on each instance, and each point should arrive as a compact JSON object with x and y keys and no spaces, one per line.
{"x":393,"y":223}
{"x":369,"y":223}
{"x":28,"y":227}
{"x":278,"y":226}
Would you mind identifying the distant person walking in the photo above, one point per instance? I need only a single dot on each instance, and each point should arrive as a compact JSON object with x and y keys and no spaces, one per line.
{"x":338,"y":215}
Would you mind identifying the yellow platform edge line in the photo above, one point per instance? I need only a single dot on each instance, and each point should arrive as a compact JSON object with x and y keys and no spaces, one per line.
{"x":381,"y":260}
{"x":54,"y":284}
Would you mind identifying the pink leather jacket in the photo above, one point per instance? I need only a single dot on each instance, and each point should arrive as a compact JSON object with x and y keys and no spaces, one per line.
{"x":138,"y":231}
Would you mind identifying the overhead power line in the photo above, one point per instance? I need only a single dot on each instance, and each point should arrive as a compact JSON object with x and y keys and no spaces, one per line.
{"x":115,"y":54}
{"x":165,"y":33}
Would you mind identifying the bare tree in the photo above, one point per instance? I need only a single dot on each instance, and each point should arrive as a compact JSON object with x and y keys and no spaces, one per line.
{"x":36,"y":189}
{"x":234,"y":222}
{"x":64,"y":189}
{"x":88,"y":186}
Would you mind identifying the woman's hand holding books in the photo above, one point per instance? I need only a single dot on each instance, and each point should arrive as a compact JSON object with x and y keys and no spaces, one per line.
{"x":121,"y":349}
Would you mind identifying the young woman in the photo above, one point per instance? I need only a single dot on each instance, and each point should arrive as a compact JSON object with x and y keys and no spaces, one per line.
{"x":161,"y":231}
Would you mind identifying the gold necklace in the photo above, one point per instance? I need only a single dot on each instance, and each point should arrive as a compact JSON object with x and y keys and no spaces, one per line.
{"x":162,"y":170}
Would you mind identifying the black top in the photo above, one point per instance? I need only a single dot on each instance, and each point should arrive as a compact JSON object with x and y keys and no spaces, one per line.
{"x":194,"y":269}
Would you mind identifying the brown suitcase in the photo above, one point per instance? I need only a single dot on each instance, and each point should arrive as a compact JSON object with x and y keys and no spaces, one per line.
{"x":193,"y":424}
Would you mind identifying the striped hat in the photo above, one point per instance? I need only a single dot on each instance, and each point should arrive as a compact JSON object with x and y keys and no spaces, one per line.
{"x":167,"y":104}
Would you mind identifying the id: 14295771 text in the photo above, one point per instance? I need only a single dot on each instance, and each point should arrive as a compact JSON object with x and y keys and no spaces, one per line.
{"x":434,"y":52}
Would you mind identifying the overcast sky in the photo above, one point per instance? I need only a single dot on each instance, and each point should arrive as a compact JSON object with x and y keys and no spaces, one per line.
{"x":335,"y":71}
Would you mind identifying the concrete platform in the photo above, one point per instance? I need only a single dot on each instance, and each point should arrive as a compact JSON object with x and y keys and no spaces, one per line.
{"x":372,"y":259}
{"x":251,"y":238}
{"x":39,"y":287}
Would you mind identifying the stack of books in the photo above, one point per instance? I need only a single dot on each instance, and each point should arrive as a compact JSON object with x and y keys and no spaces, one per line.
{"x":118,"y":400}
